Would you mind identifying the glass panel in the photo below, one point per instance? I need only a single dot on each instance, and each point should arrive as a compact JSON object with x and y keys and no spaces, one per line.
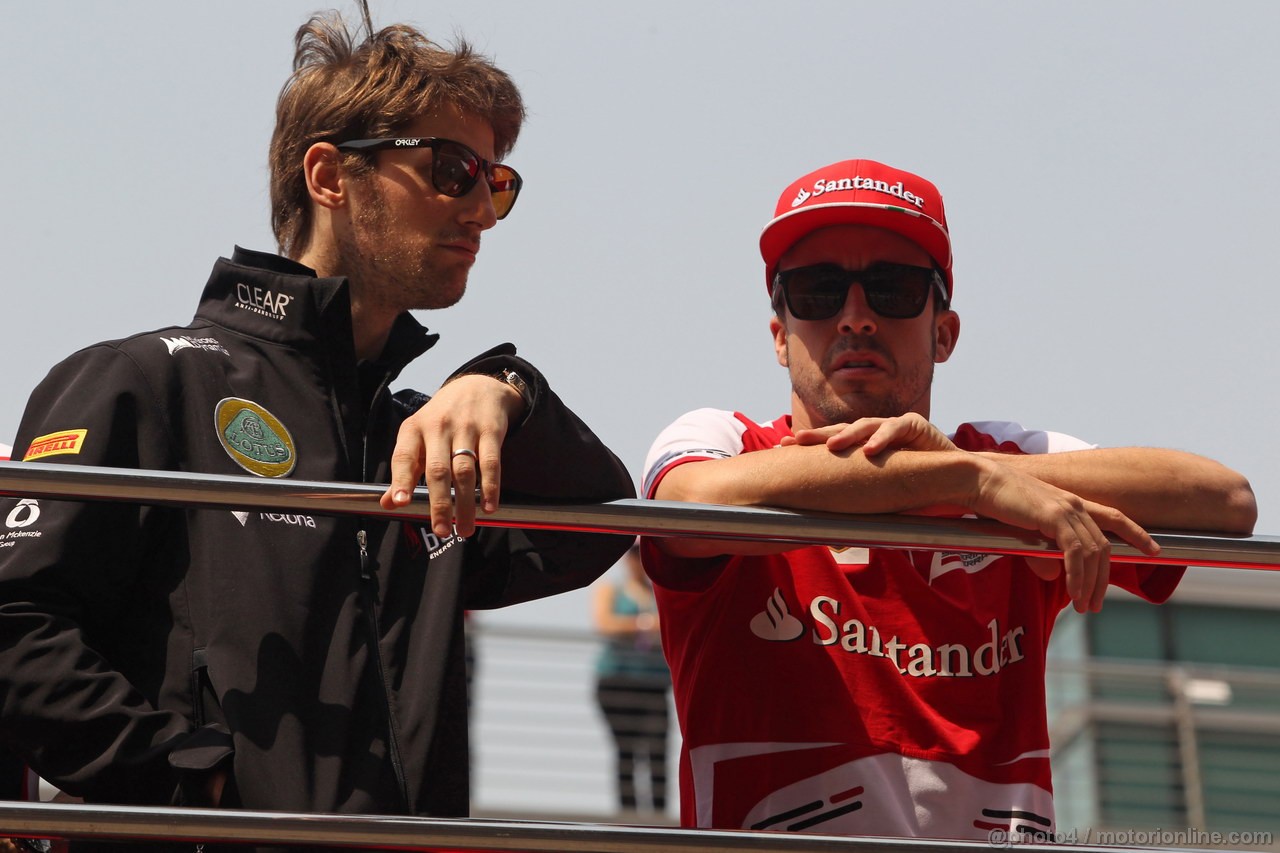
{"x":1241,"y":785}
{"x":1239,"y":636}
{"x":1075,"y":789}
{"x":1139,"y":778}
{"x":1126,"y":629}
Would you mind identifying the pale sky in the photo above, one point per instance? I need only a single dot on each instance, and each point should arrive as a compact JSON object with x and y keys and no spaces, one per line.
{"x":1108,"y":170}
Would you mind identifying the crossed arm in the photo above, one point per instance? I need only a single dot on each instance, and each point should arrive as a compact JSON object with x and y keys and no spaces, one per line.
{"x":905,"y":464}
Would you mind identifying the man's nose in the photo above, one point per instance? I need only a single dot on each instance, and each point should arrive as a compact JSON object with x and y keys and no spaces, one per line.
{"x":479,"y":209}
{"x":856,"y":317}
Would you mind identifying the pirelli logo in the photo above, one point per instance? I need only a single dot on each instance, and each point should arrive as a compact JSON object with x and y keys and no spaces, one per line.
{"x":56,"y":443}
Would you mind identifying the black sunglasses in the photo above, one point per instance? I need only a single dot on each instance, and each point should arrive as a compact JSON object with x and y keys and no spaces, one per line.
{"x":897,"y":291}
{"x":455,"y":168}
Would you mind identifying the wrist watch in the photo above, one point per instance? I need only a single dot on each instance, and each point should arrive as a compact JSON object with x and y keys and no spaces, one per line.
{"x":516,"y":381}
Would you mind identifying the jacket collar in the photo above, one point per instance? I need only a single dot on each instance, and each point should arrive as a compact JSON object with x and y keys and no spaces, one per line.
{"x":272,"y":298}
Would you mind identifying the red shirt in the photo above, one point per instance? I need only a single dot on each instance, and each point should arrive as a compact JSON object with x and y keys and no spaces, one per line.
{"x":861,"y":692}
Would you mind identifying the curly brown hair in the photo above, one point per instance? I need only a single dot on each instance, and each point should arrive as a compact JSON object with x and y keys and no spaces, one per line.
{"x":347,"y":87}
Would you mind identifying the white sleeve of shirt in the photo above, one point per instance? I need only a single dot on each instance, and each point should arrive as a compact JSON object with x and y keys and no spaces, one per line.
{"x":1031,"y":441}
{"x":717,"y":434}
{"x":700,"y":434}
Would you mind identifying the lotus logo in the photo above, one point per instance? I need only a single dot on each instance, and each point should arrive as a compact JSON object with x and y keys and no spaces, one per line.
{"x":254,"y":438}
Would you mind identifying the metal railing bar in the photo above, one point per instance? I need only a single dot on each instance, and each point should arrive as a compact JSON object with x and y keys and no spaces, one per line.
{"x":53,"y":820}
{"x":652,"y":518}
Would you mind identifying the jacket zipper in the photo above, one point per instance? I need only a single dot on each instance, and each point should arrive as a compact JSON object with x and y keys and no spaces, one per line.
{"x":369,"y":586}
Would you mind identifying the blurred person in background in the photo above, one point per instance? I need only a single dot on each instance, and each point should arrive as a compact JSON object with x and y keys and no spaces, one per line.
{"x":632,"y":681}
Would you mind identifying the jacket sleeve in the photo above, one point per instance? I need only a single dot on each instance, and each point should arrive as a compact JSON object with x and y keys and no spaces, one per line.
{"x":81,"y":599}
{"x":551,"y":457}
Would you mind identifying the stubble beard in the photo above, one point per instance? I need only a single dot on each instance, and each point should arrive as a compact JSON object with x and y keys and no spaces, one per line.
{"x":388,"y":272}
{"x":813,"y":389}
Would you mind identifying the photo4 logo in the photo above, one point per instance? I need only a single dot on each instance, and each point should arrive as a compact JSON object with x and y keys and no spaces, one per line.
{"x":1002,"y":838}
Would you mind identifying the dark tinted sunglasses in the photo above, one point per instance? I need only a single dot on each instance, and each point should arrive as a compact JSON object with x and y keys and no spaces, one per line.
{"x":455,"y":168}
{"x":897,"y":291}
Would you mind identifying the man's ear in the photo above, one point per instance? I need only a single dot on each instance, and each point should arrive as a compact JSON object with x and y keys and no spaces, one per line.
{"x":779,"y":340}
{"x":947,"y":332}
{"x":325,"y":178}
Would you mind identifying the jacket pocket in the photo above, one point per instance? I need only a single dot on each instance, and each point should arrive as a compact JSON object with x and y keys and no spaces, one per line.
{"x":201,"y":754}
{"x":206,"y":709}
{"x":208,"y":749}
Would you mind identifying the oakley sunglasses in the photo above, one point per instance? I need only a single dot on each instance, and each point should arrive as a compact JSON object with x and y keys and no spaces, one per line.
{"x":455,"y":168}
{"x":896,"y":291}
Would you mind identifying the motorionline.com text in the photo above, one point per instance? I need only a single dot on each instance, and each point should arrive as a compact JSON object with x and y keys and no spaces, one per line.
{"x":1189,"y":837}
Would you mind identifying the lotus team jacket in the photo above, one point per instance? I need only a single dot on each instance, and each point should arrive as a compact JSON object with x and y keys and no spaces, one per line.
{"x":318,"y":659}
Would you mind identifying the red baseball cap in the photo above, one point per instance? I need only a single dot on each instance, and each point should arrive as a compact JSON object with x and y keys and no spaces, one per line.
{"x":859,"y":192}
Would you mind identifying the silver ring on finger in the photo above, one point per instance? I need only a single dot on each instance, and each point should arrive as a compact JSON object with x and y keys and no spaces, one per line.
{"x":465,"y":452}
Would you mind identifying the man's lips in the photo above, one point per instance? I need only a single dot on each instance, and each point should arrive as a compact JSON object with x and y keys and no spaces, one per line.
{"x":859,"y":361}
{"x":466,"y":246}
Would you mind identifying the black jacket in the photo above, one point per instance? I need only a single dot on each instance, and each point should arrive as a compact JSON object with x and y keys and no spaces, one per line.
{"x":142,"y":646}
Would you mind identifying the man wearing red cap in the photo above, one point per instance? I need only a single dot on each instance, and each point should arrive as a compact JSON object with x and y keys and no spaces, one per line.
{"x":881,"y":692}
